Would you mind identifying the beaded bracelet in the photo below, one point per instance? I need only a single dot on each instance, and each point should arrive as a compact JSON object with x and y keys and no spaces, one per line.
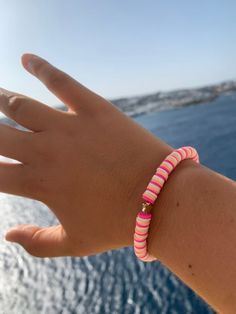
{"x":154,"y":187}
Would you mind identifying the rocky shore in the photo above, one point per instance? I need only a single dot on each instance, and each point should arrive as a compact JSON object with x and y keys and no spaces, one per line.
{"x":135,"y":106}
{"x":139,"y":105}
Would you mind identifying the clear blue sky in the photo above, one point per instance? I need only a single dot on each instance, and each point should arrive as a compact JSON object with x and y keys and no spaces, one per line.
{"x":119,"y":48}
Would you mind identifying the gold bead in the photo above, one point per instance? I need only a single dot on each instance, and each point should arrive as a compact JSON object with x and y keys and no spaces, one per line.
{"x":146,"y":207}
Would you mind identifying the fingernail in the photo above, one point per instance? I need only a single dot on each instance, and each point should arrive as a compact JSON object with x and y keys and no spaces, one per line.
{"x":16,"y":228}
{"x":8,"y":237}
{"x":31,"y":63}
{"x":13,"y":229}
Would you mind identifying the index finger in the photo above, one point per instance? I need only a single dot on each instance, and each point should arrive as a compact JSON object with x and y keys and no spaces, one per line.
{"x":73,"y":94}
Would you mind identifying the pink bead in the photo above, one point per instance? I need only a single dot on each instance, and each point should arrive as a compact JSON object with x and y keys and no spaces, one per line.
{"x":159,"y":179}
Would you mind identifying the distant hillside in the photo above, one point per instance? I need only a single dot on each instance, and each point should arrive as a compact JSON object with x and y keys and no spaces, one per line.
{"x":138,"y":105}
{"x":159,"y":101}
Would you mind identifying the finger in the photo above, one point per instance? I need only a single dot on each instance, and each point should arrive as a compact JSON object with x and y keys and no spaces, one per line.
{"x":68,"y":90}
{"x":40,"y":242}
{"x":15,"y":144}
{"x":28,"y":112}
{"x":18,"y":179}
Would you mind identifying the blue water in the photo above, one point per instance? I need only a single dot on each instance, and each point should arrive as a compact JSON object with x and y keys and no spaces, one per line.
{"x":114,"y":282}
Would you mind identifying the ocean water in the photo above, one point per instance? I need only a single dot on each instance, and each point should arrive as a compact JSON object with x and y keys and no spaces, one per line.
{"x":114,"y":282}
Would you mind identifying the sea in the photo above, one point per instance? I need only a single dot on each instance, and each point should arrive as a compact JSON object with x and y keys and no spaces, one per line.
{"x":116,"y":281}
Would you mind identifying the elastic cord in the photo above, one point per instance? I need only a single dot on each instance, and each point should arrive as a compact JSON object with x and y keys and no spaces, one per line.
{"x":149,"y":197}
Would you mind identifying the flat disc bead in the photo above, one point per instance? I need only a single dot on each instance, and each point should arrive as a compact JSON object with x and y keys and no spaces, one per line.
{"x":150,"y":258}
{"x":189,"y":151}
{"x":162,"y":173}
{"x":182,"y":153}
{"x":195,"y":155}
{"x":172,"y":160}
{"x":140,"y":240}
{"x":149,"y":196}
{"x":156,"y":189}
{"x":158,"y":178}
{"x":177,"y":155}
{"x":167,"y":165}
{"x":143,"y":217}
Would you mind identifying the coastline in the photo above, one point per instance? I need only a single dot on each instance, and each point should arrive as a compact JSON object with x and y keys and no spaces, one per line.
{"x":135,"y":106}
{"x":160,"y":101}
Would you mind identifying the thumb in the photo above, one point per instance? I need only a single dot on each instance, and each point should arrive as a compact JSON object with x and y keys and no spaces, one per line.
{"x":41,"y":242}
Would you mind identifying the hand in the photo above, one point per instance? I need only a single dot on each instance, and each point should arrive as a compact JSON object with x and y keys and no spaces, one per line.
{"x":89,"y":165}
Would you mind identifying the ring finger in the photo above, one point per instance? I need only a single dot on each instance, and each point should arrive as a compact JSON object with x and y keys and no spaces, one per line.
{"x":19,"y":179}
{"x":16,"y":144}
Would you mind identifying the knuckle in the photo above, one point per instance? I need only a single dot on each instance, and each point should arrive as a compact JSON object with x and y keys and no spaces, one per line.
{"x":16,"y":104}
{"x":44,"y":148}
{"x":45,"y":186}
{"x":38,"y":66}
{"x":51,"y":76}
{"x":46,"y":157}
{"x":33,"y":186}
{"x":54,"y":79}
{"x":30,"y":245}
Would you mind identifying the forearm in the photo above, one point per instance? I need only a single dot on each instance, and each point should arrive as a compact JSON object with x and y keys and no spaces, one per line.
{"x":193,"y":230}
{"x":95,"y":187}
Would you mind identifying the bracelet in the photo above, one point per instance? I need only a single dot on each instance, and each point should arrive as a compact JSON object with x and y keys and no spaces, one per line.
{"x":149,"y":197}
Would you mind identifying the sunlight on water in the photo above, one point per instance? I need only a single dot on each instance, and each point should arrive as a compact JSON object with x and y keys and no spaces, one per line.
{"x":113,"y":282}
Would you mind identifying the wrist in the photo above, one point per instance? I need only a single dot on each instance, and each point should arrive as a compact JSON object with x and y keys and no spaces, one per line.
{"x":165,"y":209}
{"x":167,"y":196}
{"x":152,"y":154}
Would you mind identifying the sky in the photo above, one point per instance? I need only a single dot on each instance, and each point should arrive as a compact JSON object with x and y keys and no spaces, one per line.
{"x":119,"y":48}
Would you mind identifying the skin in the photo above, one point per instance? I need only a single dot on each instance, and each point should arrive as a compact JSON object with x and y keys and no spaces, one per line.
{"x":90,"y":166}
{"x":77,"y":162}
